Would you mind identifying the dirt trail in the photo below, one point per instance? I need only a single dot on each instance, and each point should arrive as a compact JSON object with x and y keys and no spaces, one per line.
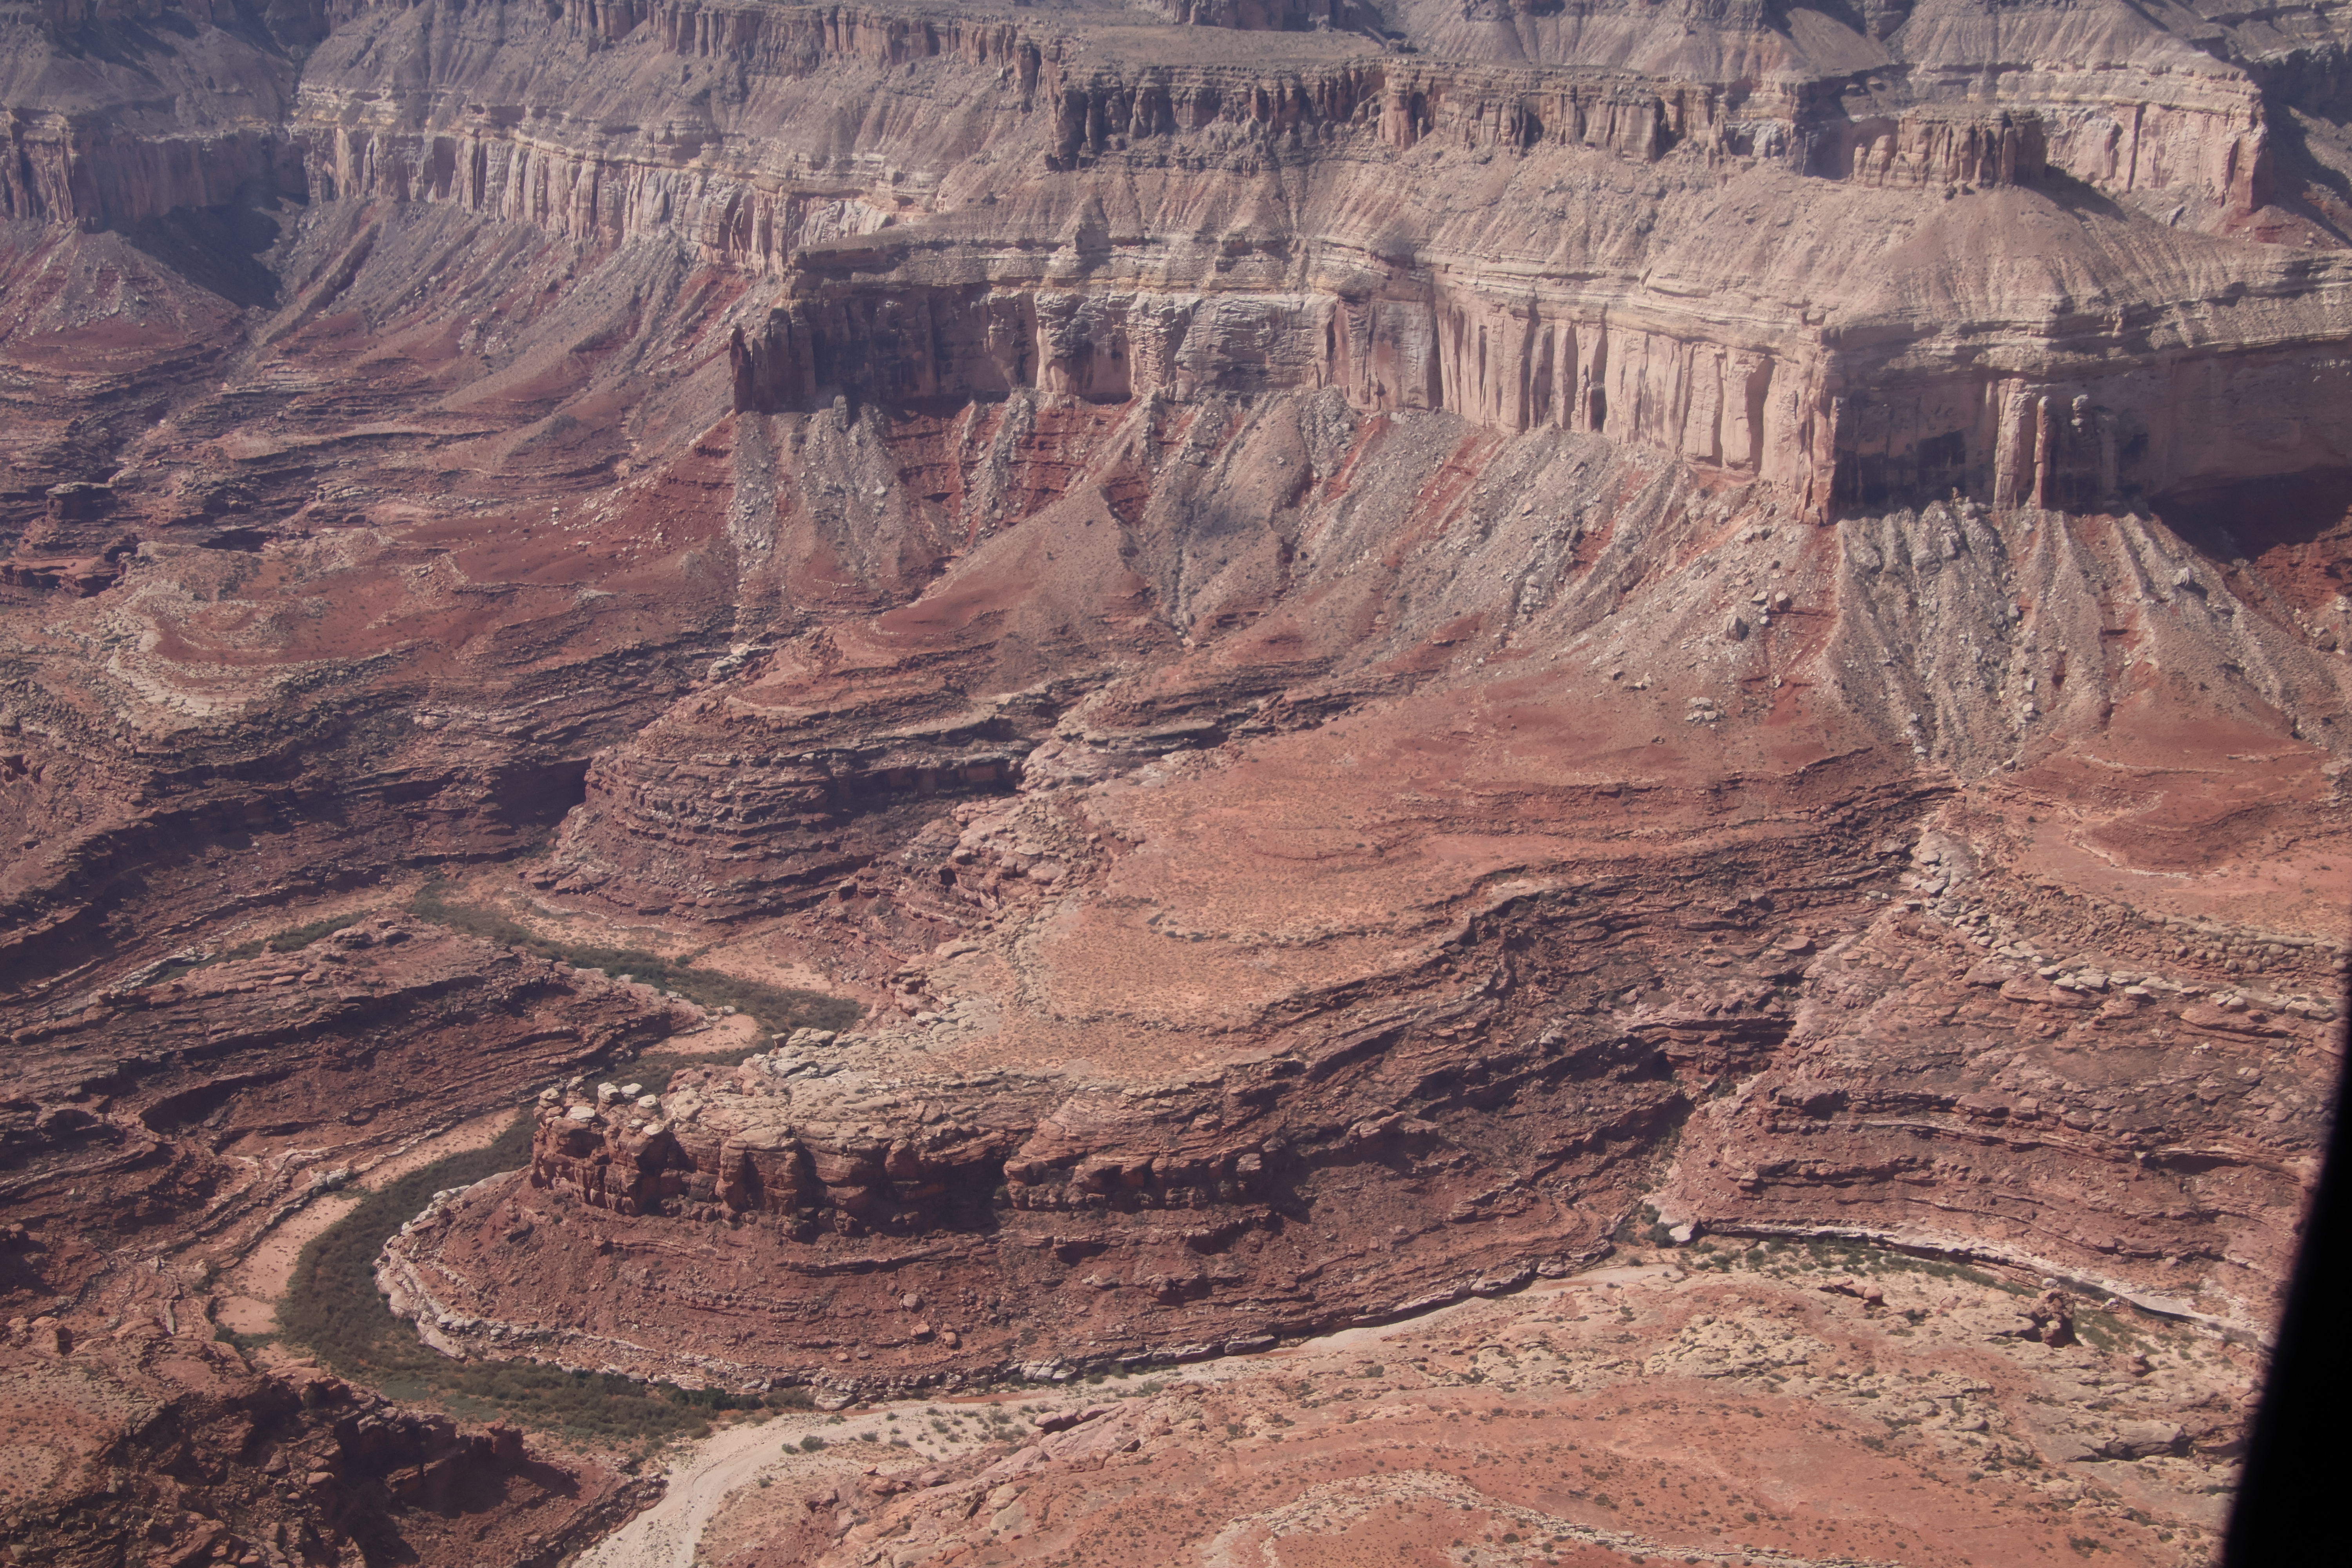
{"x":704,"y":1478}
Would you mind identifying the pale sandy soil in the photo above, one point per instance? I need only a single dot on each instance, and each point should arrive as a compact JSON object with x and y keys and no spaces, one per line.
{"x":250,"y":1291}
{"x":706,"y":1475}
{"x":1780,"y":1412}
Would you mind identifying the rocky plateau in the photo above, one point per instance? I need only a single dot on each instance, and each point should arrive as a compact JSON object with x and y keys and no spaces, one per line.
{"x":1641,"y":707}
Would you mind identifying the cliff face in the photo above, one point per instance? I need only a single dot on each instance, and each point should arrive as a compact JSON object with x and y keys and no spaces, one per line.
{"x":1388,"y":652}
{"x":1623,"y":306}
{"x":1311,"y":962}
{"x":1637,"y":309}
{"x":118,"y":112}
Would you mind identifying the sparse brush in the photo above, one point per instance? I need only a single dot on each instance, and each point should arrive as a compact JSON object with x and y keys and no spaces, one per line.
{"x":293,"y":939}
{"x":333,"y":1309}
{"x":777,"y":1009}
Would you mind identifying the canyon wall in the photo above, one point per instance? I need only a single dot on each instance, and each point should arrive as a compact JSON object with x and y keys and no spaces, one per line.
{"x":776,"y":139}
{"x":1559,"y":329}
{"x":1842,"y":429}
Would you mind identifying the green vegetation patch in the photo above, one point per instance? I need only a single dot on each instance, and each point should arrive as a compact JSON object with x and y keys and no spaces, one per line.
{"x":333,"y":1309}
{"x":1784,"y":1255}
{"x":2106,"y":1331}
{"x":293,"y":939}
{"x":779,"y":1009}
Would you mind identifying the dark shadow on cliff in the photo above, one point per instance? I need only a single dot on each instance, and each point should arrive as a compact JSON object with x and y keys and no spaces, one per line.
{"x":2247,"y":518}
{"x":128,"y":40}
{"x":220,"y":249}
{"x":2306,"y":183}
{"x":1777,"y":15}
{"x":2077,"y":196}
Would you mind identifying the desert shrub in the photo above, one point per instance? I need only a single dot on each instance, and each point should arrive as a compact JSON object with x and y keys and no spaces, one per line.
{"x":719,"y":1399}
{"x":777,"y":1008}
{"x":333,"y":1309}
{"x":291,"y":939}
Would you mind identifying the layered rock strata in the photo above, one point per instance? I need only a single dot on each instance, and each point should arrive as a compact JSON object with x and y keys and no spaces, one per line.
{"x":154,"y":1132}
{"x":1807,"y":1404}
{"x":202,"y":1102}
{"x":1722,"y":357}
{"x":1392,"y":661}
{"x":173,"y":1443}
{"x":1630,"y":309}
{"x":1892,"y":1104}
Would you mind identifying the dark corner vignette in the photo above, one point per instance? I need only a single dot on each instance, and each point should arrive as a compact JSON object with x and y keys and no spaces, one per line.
{"x":2289,"y":1504}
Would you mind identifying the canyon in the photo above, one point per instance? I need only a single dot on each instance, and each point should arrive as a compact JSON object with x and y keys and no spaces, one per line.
{"x":1046,"y":695}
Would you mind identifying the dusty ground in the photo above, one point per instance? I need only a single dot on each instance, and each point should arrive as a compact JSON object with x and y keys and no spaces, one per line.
{"x":1726,"y":1406}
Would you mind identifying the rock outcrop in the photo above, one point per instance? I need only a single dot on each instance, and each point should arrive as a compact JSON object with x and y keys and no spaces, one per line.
{"x":1654,"y":311}
{"x":1793,"y":1379}
{"x":156,"y":1129}
{"x":174,"y":1444}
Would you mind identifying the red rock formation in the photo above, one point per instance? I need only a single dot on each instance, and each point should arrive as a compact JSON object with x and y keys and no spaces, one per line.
{"x":158,"y":1128}
{"x":172,"y":1445}
{"x":1757,"y":1399}
{"x":1388,"y":660}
